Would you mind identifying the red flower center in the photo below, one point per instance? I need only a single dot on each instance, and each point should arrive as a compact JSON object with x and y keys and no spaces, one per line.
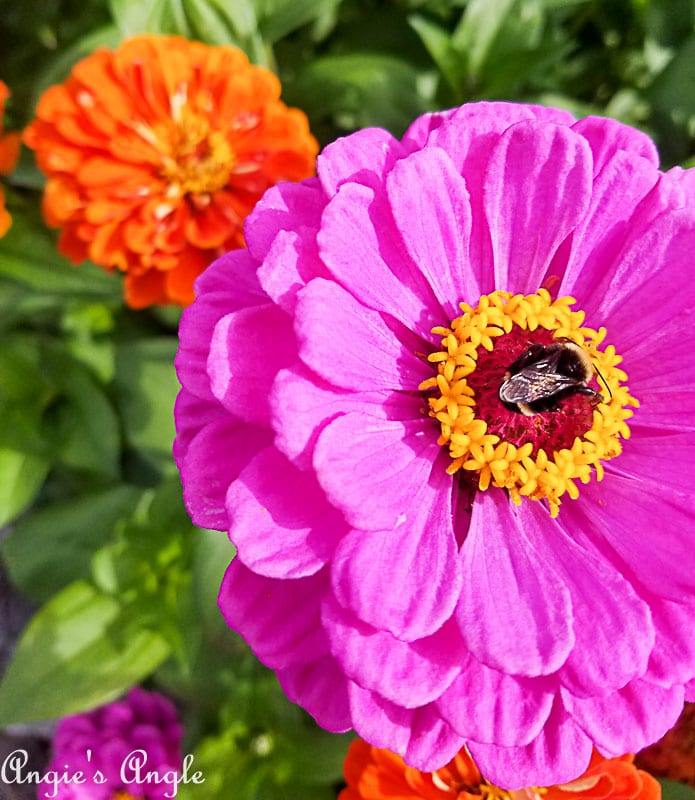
{"x":553,"y":429}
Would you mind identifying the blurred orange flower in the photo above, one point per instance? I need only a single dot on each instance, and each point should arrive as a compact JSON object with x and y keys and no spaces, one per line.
{"x":9,"y":153}
{"x":156,"y":152}
{"x":673,"y":756}
{"x":373,"y":774}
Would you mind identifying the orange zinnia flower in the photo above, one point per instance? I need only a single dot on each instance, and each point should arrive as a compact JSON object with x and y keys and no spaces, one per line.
{"x":673,"y":756}
{"x":373,"y":774}
{"x":9,"y":153}
{"x":156,"y":152}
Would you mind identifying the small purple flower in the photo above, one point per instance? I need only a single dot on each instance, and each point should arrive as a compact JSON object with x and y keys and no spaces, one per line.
{"x":123,"y":750}
{"x":424,"y":555}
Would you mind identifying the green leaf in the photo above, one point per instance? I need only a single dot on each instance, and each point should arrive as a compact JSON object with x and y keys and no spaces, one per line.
{"x":213,"y":554}
{"x":667,"y":92}
{"x":210,"y":24}
{"x":437,"y":40}
{"x":29,"y":256}
{"x":671,"y":790}
{"x":85,"y":425}
{"x":54,"y":545}
{"x":280,"y":17}
{"x":479,"y":26}
{"x":146,"y":387}
{"x":21,"y":478}
{"x":25,"y":393}
{"x":76,"y":653}
{"x":68,"y":55}
{"x":156,"y":16}
{"x":148,"y":564}
{"x":362,"y":89}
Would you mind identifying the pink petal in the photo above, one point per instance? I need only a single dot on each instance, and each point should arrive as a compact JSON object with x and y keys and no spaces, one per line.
{"x":379,"y":722}
{"x":536,"y":173}
{"x":516,"y":612}
{"x":645,"y":523}
{"x":191,"y":414}
{"x":559,"y":754}
{"x":556,"y":116}
{"x":432,"y":743}
{"x":635,"y":298}
{"x":248,"y":347}
{"x":629,"y":719}
{"x":363,"y":157}
{"x":475,"y":125}
{"x":490,"y":707}
{"x":362,"y":249}
{"x":407,"y":673}
{"x":292,"y":261}
{"x":213,"y":459}
{"x":283,"y":207}
{"x":302,"y":404}
{"x":469,"y":136}
{"x":618,"y":190}
{"x":673,"y":452}
{"x":418,"y":132}
{"x":279,"y":518}
{"x":613,"y":630}
{"x":352,"y":346}
{"x":608,"y":136}
{"x":690,"y":691}
{"x":432,"y":211}
{"x":256,"y":608}
{"x":227,"y":284}
{"x":420,"y":735}
{"x":373,"y":468}
{"x":667,"y":402}
{"x":404,"y":580}
{"x":233,"y":275}
{"x":320,"y":687}
{"x":673,"y":658}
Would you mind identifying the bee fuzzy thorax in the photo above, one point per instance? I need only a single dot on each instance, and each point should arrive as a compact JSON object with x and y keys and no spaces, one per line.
{"x":543,"y":374}
{"x":513,"y":400}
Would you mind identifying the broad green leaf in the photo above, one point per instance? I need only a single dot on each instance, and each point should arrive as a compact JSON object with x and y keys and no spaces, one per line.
{"x":77,"y":652}
{"x":21,"y":478}
{"x":218,"y":22}
{"x":210,"y":24}
{"x":148,"y":564}
{"x":87,"y":435}
{"x":437,"y":40}
{"x":480,"y":24}
{"x":54,"y":545}
{"x":667,"y":93}
{"x":361,"y":89}
{"x":25,"y":393}
{"x":280,"y":17}
{"x":671,"y":790}
{"x":28,"y":255}
{"x":213,"y":554}
{"x":156,"y":16}
{"x":146,"y":387}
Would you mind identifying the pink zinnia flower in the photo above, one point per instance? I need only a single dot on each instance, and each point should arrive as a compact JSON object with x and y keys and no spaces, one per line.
{"x":127,"y":749}
{"x":418,"y":559}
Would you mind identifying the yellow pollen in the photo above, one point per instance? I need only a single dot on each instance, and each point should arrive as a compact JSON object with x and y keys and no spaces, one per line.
{"x":517,"y":468}
{"x":196,"y":159}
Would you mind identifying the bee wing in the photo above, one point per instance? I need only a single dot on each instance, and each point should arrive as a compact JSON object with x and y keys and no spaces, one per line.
{"x":531,"y":385}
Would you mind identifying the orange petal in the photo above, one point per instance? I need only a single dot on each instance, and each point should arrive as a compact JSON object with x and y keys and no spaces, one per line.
{"x":9,"y":151}
{"x":145,"y":290}
{"x":179,"y":281}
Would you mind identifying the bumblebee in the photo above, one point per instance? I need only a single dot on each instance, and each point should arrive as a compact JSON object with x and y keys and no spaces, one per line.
{"x":544,"y":374}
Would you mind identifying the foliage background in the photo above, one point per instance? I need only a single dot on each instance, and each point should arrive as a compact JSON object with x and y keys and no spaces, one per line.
{"x":94,"y":531}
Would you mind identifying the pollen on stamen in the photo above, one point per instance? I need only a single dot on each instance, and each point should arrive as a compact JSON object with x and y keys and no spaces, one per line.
{"x":539,"y":456}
